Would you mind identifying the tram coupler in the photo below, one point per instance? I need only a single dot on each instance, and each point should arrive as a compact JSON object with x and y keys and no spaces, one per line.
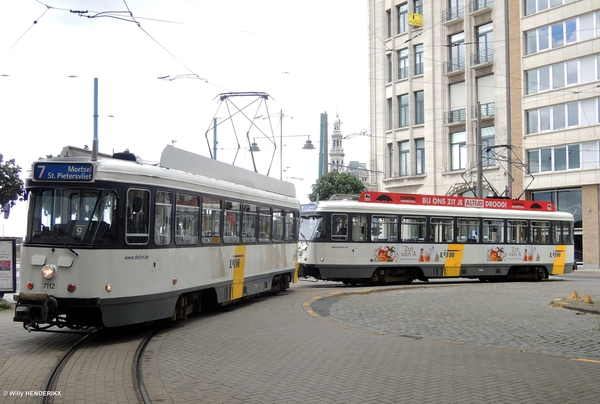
{"x":35,"y":308}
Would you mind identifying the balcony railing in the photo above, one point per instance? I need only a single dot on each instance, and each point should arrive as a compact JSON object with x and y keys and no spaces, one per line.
{"x":487,"y":110}
{"x":453,"y":13}
{"x":477,"y":5}
{"x":454,"y":65}
{"x":482,"y":57}
{"x":456,"y":116}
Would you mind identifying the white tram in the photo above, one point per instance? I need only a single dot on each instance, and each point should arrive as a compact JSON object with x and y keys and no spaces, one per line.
{"x":111,"y":241}
{"x":384,"y":238}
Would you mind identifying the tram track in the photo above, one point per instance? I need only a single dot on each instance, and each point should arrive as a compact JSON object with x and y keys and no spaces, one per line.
{"x":138,"y":380}
{"x":84,"y":353}
{"x":52,"y":377}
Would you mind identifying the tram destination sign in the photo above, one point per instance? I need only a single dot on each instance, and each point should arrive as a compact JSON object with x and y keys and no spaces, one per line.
{"x":63,"y":172}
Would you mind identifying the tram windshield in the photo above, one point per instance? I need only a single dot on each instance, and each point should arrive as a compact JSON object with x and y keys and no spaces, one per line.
{"x":312,"y":228}
{"x":72,"y":217}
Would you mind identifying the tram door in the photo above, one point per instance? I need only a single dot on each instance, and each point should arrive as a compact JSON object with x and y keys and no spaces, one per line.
{"x":359,"y":227}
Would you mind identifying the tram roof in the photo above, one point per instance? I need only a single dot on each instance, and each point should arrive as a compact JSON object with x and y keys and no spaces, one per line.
{"x":353,"y":206}
{"x":178,"y":163}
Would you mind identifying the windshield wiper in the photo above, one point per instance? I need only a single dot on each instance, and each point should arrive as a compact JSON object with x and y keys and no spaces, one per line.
{"x":59,"y":239}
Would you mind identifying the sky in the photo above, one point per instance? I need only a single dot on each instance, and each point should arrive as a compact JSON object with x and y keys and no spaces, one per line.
{"x":161,"y":70}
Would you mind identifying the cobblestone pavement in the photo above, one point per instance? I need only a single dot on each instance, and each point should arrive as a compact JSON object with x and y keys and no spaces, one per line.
{"x":516,"y":316}
{"x":449,"y":343}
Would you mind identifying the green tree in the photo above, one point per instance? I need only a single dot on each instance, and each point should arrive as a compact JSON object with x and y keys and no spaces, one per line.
{"x":11,"y":186}
{"x":333,"y":183}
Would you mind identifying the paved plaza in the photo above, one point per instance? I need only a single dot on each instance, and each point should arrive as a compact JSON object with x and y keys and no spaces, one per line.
{"x":443,"y":342}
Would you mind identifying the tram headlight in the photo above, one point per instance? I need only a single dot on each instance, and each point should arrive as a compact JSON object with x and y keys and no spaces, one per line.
{"x":49,"y":271}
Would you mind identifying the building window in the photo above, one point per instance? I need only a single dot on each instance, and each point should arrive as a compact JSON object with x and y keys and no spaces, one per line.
{"x":404,"y":158}
{"x":420,"y":155}
{"x":546,"y":159}
{"x":389,"y":23}
{"x":389,"y":68}
{"x":418,"y":59}
{"x":536,"y":6}
{"x":573,"y":157}
{"x":456,"y":9}
{"x":458,"y":150}
{"x":418,"y":6}
{"x":456,"y":52}
{"x":485,"y":43}
{"x":533,"y":161}
{"x":559,"y":158}
{"x":556,"y":35}
{"x":402,"y":110}
{"x":419,"y":107}
{"x":571,"y":31}
{"x":402,"y":17}
{"x":402,"y":64}
{"x":391,"y":159}
{"x":532,"y":121}
{"x":573,"y":114}
{"x":578,"y":113}
{"x":390,"y":114}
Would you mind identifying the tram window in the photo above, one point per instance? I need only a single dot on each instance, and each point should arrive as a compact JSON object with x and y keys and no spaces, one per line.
{"x":291,"y":220}
{"x":136,"y":230}
{"x":211,"y":220}
{"x":339,"y":227}
{"x":567,"y":232}
{"x":493,"y":231}
{"x":62,"y":215}
{"x":187,"y":216}
{"x":540,"y":232}
{"x":264,"y":224}
{"x":384,"y":228}
{"x":162,"y":218}
{"x":517,"y":231}
{"x":413,"y":229}
{"x":557,"y":233}
{"x":359,"y":227}
{"x":249,"y":223}
{"x":278,"y":224}
{"x":231,"y":227}
{"x":441,"y":230}
{"x":312,"y":228}
{"x":467,"y":230}
{"x":562,"y":233}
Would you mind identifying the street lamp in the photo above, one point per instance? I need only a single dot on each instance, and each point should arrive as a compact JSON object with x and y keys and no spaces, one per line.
{"x":254,"y":147}
{"x":308,"y":145}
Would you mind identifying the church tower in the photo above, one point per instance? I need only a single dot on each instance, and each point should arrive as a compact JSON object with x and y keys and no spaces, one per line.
{"x":336,"y":154}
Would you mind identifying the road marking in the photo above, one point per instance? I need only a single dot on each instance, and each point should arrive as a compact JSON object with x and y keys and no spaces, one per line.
{"x":586,"y":360}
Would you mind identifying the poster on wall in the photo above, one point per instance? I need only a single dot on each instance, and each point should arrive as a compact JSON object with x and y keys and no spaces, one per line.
{"x":8,"y":266}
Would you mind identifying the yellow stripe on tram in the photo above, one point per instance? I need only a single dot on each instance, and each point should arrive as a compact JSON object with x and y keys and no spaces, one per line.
{"x":454,"y":256}
{"x":560,"y":254}
{"x":296,"y":266}
{"x":238,"y":263}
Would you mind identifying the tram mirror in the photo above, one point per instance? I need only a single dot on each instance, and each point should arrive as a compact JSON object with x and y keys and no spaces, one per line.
{"x":137,"y":204}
